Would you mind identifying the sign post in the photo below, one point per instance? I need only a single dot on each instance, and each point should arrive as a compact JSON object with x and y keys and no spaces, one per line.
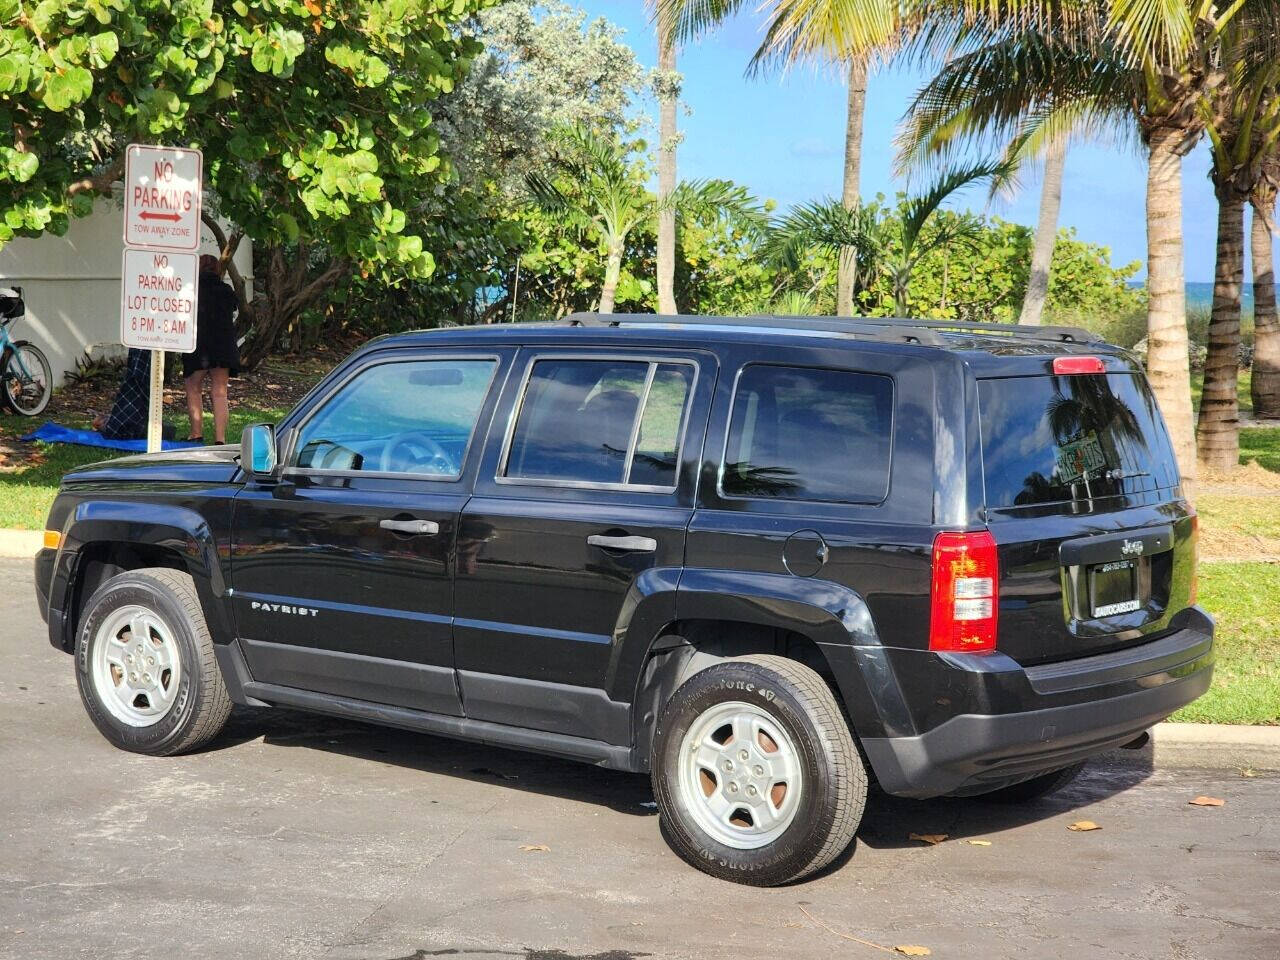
{"x":160,"y":267}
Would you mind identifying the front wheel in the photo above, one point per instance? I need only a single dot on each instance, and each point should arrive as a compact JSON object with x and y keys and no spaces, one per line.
{"x":26,"y":379}
{"x":145,"y":664}
{"x":755,"y":772}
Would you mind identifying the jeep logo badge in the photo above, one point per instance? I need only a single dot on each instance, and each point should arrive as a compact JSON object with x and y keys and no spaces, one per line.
{"x":1132,"y":548}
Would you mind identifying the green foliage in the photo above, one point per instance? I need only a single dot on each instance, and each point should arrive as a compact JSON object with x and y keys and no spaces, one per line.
{"x":543,"y":66}
{"x":315,"y":118}
{"x":972,"y":267}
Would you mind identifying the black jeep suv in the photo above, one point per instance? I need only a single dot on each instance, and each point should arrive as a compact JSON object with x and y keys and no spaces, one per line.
{"x":762,"y":559}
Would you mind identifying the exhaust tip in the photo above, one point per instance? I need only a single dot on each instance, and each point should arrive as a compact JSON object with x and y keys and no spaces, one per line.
{"x":1138,"y":742}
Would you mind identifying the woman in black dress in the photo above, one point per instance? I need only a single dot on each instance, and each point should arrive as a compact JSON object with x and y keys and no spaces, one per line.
{"x":215,"y":352}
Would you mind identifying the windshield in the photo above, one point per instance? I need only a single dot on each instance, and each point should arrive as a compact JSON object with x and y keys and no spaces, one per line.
{"x":1048,"y":439}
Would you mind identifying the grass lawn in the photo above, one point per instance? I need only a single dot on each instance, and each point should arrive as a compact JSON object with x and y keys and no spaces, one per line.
{"x":1261,"y":444}
{"x":1245,"y":599}
{"x":27,"y":493}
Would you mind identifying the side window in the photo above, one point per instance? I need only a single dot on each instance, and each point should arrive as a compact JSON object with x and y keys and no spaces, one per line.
{"x":413,"y":417}
{"x":807,"y":434}
{"x":601,"y":421}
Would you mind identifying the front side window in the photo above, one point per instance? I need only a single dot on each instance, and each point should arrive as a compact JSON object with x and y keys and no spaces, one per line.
{"x":601,"y":422}
{"x":412,"y":417}
{"x":808,"y":434}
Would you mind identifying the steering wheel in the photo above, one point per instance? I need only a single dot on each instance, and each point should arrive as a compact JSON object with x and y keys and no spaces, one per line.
{"x":419,"y":451}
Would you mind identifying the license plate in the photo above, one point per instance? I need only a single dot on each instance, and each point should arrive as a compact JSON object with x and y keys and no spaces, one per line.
{"x":1113,"y":588}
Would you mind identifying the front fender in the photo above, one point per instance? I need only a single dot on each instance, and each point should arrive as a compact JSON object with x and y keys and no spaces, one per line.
{"x":179,"y":530}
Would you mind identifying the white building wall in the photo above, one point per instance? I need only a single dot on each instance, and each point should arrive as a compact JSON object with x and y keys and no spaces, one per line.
{"x":72,"y":286}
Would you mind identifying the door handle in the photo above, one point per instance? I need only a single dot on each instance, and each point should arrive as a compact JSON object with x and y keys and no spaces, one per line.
{"x":421,"y":527}
{"x":630,"y":544}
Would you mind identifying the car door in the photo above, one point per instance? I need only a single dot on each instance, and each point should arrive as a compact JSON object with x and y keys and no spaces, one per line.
{"x":583,"y":501}
{"x":342,"y":568}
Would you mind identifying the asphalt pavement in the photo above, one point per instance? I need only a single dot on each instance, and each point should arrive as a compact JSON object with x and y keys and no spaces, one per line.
{"x":308,"y":837}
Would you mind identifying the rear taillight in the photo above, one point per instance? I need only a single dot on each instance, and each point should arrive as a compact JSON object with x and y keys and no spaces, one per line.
{"x":1065,"y":366}
{"x":1194,"y":543}
{"x":965,"y":593}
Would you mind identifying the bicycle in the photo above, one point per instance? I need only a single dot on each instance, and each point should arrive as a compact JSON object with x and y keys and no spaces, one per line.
{"x":26,"y":379}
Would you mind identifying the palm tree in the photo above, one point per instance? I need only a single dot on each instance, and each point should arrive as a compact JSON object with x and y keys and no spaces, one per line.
{"x":1264,"y":381}
{"x":1142,"y":63}
{"x":1055,"y":161}
{"x":601,"y":191}
{"x":1243,"y":128}
{"x":829,"y":225}
{"x":837,"y":32}
{"x":667,"y":88}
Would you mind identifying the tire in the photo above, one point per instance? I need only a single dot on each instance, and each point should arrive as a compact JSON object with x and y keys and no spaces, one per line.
{"x":747,"y":704}
{"x":173,"y":712}
{"x":1035,"y":788}
{"x":26,"y":399}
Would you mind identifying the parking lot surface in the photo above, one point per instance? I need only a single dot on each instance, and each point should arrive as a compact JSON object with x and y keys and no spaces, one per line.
{"x":302,"y":836}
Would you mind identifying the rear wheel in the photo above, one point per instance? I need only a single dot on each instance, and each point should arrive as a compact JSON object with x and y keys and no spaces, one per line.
{"x":145,"y":664}
{"x":755,"y":772}
{"x":1036,"y":787}
{"x":26,"y":380}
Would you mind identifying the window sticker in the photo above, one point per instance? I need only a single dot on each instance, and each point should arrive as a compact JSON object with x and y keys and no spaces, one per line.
{"x":1079,"y":457}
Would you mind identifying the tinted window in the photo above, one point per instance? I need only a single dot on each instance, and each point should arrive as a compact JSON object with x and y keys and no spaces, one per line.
{"x":1046,"y":439}
{"x":800,"y":434}
{"x":661,"y":426}
{"x":415,"y":417}
{"x":579,"y":420}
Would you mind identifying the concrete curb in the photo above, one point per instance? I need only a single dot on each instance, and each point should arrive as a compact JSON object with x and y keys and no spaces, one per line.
{"x":1211,"y":746}
{"x":20,"y":544}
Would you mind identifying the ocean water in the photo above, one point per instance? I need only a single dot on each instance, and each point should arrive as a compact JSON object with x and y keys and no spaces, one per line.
{"x":1200,"y":295}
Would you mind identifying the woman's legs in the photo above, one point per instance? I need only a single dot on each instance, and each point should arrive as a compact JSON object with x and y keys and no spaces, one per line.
{"x":218,"y":390}
{"x":195,"y":402}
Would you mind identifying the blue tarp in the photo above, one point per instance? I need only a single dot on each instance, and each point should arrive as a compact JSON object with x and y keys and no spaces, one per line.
{"x":57,"y":433}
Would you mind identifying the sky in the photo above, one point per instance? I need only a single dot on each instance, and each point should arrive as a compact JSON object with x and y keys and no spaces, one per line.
{"x":783,"y":138}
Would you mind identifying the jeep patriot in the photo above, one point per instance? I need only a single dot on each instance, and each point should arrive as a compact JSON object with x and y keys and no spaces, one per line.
{"x":764,"y":560}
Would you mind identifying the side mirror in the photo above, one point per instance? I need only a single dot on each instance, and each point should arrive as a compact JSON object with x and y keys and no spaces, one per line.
{"x":258,"y":449}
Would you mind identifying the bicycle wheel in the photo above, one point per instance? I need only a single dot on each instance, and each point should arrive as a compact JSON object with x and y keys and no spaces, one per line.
{"x":27,"y":379}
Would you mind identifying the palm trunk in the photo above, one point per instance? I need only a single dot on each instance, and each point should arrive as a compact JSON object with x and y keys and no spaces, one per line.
{"x":612,"y":270}
{"x":852,"y":175}
{"x":1046,"y":233}
{"x":668,"y":95}
{"x":1218,"y":429}
{"x":1264,"y":381}
{"x":1167,"y":363}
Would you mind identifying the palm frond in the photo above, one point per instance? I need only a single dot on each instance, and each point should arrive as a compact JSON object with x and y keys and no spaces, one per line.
{"x":985,"y":98}
{"x":919,"y":209}
{"x":710,"y":201}
{"x":824,"y":224}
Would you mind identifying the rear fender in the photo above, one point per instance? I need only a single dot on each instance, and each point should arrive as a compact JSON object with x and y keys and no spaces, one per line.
{"x":653,"y":664}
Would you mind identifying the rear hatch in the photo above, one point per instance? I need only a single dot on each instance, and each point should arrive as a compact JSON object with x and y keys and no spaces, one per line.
{"x":1096,"y":544}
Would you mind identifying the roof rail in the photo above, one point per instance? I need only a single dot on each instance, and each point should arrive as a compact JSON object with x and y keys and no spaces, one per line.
{"x":852,"y":326}
{"x":879,"y":328}
{"x":1015,"y":330}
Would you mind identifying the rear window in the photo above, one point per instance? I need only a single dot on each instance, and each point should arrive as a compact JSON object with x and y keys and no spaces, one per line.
{"x":807,"y":434}
{"x":1051,"y":439}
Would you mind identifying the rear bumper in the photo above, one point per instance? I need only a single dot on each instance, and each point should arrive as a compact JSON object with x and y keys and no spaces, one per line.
{"x":1062,"y":712}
